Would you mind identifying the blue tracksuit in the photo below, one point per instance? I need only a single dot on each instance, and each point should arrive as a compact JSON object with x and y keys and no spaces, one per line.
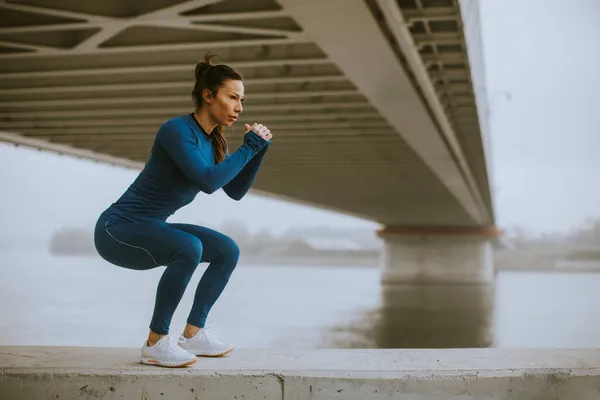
{"x":133,"y":232}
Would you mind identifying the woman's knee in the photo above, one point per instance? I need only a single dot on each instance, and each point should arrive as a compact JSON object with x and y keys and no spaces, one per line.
{"x":230,"y":250}
{"x":191,"y":251}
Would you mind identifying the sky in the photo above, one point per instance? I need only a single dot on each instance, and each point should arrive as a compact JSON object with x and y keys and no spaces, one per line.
{"x":542,"y":60}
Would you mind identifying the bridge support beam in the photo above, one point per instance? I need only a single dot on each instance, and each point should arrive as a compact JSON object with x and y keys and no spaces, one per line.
{"x":437,"y":255}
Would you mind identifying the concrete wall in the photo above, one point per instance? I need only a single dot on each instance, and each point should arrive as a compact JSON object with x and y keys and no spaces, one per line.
{"x":437,"y":259}
{"x":99,"y":373}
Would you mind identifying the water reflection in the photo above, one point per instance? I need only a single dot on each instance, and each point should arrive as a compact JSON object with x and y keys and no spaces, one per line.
{"x":424,"y":316}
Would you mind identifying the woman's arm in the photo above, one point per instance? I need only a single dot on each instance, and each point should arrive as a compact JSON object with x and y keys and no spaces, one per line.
{"x":239,"y":186}
{"x":180,"y":142}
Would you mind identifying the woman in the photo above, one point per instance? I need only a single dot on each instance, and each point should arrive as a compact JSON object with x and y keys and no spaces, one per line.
{"x":189,"y":155}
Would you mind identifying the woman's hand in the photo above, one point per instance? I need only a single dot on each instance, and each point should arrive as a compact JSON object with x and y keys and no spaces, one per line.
{"x":260,"y":130}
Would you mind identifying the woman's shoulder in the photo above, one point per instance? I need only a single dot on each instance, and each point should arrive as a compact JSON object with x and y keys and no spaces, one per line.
{"x":176,"y":127}
{"x":180,"y":121}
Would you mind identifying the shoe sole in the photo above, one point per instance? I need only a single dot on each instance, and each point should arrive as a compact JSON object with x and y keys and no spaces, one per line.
{"x":151,"y":361}
{"x":214,"y":355}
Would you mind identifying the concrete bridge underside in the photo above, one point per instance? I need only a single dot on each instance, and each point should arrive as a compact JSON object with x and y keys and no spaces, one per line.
{"x":378,"y":105}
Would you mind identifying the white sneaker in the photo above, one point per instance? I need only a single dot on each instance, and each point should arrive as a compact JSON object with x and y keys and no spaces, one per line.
{"x":166,"y":354}
{"x":204,"y":343}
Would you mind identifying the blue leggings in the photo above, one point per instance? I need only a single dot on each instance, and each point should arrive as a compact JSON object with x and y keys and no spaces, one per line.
{"x":179,"y":247}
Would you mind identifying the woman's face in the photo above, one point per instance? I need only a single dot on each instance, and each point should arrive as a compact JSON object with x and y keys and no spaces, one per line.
{"x":226,"y":106}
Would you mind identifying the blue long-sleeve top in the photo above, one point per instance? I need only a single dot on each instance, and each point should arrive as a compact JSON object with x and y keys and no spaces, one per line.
{"x":182,"y":164}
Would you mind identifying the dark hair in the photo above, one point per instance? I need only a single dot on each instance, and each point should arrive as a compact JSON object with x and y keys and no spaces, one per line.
{"x":212,"y":76}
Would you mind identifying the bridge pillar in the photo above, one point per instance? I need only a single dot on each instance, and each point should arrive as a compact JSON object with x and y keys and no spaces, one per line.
{"x":437,"y":255}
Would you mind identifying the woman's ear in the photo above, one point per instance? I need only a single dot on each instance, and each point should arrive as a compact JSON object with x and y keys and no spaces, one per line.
{"x":207,"y":95}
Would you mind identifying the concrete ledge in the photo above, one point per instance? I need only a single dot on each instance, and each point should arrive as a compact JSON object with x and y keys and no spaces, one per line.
{"x":65,"y":373}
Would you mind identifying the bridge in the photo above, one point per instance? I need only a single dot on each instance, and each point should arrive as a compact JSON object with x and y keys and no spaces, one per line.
{"x":379,"y":106}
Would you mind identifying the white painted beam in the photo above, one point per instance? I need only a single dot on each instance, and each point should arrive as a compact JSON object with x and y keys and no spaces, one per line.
{"x":19,"y":140}
{"x":431,"y":14}
{"x":444,"y":57}
{"x":28,"y":46}
{"x":50,"y":28}
{"x":96,"y":23}
{"x":174,"y":111}
{"x":164,"y":85}
{"x":132,"y":121}
{"x":53,"y":12}
{"x":183,"y":24}
{"x":167,"y":99}
{"x":243,"y":16}
{"x":354,"y":137}
{"x":281,"y":130}
{"x":175,"y":10}
{"x":159,"y":68}
{"x":108,"y":31}
{"x":435,"y":38}
{"x":158,"y":48}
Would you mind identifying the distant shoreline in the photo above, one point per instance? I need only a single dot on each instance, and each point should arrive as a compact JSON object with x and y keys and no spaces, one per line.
{"x":374,"y":263}
{"x":301,"y":248}
{"x":559,"y":266}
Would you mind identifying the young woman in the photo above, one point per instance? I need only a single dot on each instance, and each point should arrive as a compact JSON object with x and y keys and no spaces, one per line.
{"x":189,"y":155}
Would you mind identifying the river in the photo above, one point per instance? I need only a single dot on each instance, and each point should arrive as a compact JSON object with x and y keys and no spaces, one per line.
{"x":84,"y":301}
